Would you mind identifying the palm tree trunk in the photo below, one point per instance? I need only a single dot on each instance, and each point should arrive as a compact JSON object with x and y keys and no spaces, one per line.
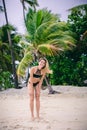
{"x":48,"y":85}
{"x":10,"y":43}
{"x":51,"y":91}
{"x":23,"y":6}
{"x":5,"y":12}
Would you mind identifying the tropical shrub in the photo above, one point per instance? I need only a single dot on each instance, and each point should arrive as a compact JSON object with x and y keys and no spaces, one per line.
{"x":68,"y":71}
{"x":6,"y":80}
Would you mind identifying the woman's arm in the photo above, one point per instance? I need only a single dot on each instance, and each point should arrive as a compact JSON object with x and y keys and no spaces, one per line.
{"x":41,"y":80}
{"x":31,"y":76}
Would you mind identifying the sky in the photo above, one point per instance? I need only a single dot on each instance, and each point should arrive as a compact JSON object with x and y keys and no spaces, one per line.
{"x":15,"y":13}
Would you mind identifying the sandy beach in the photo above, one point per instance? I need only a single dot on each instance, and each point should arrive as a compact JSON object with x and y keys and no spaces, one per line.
{"x":64,"y":111}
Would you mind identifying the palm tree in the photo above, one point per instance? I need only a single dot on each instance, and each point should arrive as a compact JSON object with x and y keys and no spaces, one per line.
{"x":79,"y":7}
{"x":4,"y":58}
{"x":10,"y":43}
{"x":31,"y":3}
{"x":4,"y":51}
{"x":78,"y":18}
{"x":46,"y":37}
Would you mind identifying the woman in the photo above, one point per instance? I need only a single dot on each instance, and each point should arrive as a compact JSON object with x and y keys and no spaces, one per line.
{"x":37,"y":74}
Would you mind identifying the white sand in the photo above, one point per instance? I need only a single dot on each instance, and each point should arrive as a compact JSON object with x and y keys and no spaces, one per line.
{"x":65,"y":111}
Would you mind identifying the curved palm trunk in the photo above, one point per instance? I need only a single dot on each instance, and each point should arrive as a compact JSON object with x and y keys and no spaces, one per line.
{"x":51,"y":91}
{"x":48,"y":85}
{"x":23,"y":10}
{"x":10,"y":43}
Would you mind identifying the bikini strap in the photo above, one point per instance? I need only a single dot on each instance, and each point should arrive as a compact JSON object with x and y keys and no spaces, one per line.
{"x":38,"y":71}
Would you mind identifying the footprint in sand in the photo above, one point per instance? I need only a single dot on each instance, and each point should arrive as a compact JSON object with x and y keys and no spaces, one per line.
{"x":48,"y":127}
{"x":16,"y":126}
{"x":43,"y":120}
{"x":68,"y":129}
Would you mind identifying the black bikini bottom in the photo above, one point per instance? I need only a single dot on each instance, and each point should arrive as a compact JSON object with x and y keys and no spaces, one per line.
{"x":35,"y":84}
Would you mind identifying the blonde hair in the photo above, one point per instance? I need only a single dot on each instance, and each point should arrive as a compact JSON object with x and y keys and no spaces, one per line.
{"x":46,"y":69}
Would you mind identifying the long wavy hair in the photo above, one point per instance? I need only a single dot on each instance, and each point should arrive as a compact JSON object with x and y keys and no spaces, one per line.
{"x":46,"y":68}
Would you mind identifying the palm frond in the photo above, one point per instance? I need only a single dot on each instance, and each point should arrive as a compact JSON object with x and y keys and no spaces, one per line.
{"x":70,"y":33}
{"x":48,"y":16}
{"x":40,"y":34}
{"x":49,"y":29}
{"x":39,"y":18}
{"x":30,"y":48}
{"x":34,"y":20}
{"x":4,"y":45}
{"x":32,"y":2}
{"x":49,"y":36}
{"x":49,"y":49}
{"x":69,"y":38}
{"x":60,"y":43}
{"x":56,"y":35}
{"x":58,"y":26}
{"x":31,"y":28}
{"x":27,"y":59}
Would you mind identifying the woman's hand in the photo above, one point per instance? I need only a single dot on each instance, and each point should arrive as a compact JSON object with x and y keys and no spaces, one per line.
{"x":40,"y":84}
{"x":41,"y":81}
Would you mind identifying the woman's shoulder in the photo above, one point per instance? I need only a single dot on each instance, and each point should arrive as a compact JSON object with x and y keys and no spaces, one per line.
{"x":43,"y":72}
{"x":34,"y":68}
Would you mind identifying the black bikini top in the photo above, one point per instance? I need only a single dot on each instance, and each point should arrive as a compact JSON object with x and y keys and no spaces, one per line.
{"x":37,"y":74}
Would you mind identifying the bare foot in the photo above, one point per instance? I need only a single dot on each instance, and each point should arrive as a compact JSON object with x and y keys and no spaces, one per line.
{"x":38,"y":118}
{"x":32,"y":118}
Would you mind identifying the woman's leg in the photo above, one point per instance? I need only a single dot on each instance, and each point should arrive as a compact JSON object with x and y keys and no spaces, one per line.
{"x":37,"y":96}
{"x":31,"y":95}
